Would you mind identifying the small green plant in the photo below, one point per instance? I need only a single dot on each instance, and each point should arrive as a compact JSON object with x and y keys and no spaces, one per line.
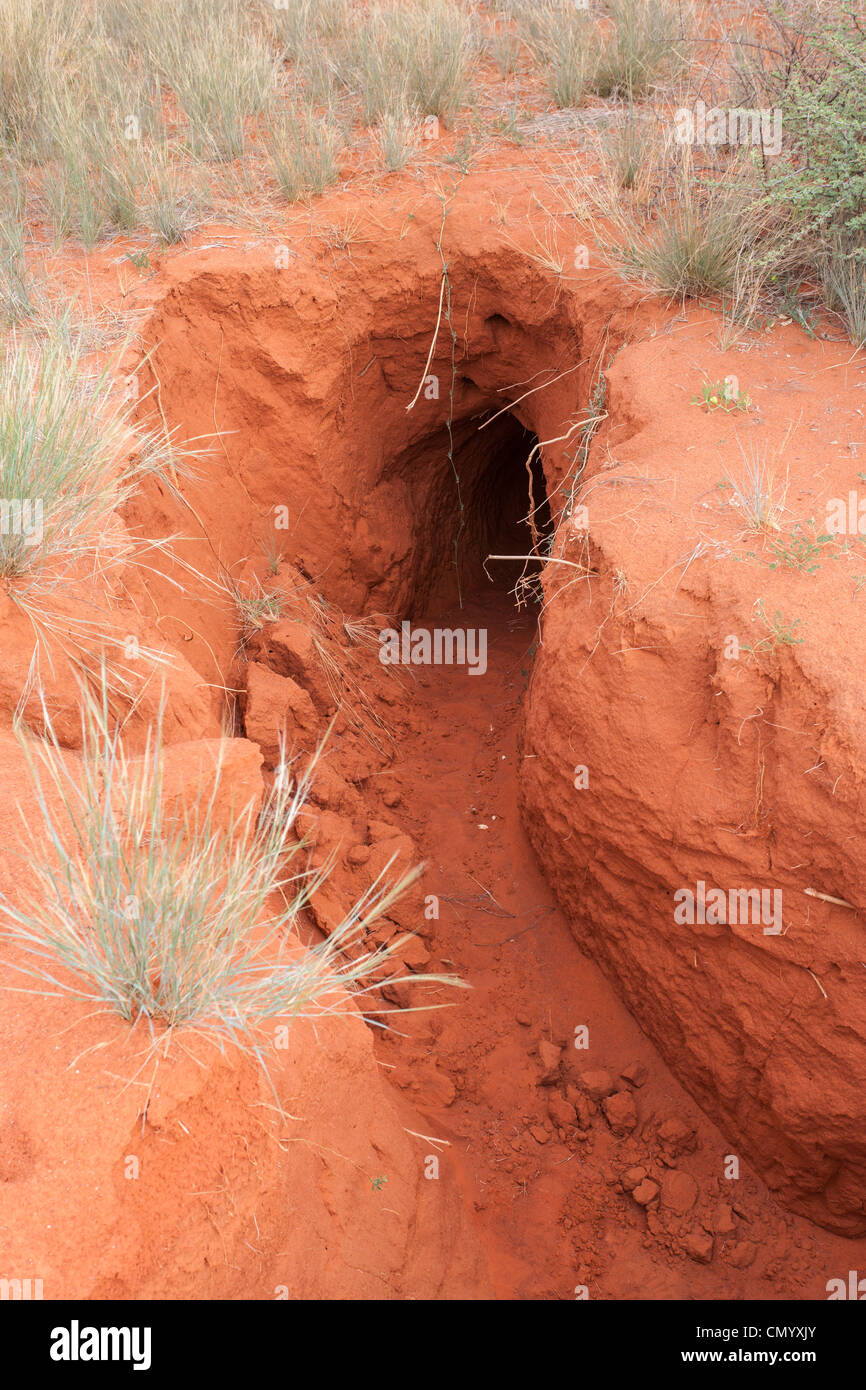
{"x":779,"y":633}
{"x":378,"y":1183}
{"x":721,"y":395}
{"x":462,"y":154}
{"x":507,"y":124}
{"x":794,"y":306}
{"x":800,"y":550}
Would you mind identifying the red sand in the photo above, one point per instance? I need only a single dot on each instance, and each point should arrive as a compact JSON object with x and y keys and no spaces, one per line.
{"x":561,"y":1168}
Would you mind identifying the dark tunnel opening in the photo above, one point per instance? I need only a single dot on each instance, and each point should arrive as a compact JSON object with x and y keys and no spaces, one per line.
{"x":473,"y":490}
{"x":512,"y":509}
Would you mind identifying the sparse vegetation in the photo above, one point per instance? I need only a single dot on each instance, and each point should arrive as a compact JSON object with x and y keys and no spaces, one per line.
{"x":801,"y":549}
{"x":642,"y":49}
{"x":721,"y":395}
{"x":419,"y":415}
{"x":164,"y":912}
{"x":779,"y":632}
{"x":303,"y":147}
{"x":759,"y":491}
{"x":678,"y":230}
{"x":256,"y":606}
{"x":420,"y":56}
{"x":69,"y":456}
{"x":397,"y":135}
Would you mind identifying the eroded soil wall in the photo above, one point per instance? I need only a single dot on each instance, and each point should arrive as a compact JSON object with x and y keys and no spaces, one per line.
{"x":740,"y":774}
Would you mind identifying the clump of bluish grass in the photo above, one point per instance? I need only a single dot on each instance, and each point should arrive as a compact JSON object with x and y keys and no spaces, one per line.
{"x":843,"y":280}
{"x":98,"y":122}
{"x":172,"y":202}
{"x":700,"y":236}
{"x":758,"y":490}
{"x":16,"y":300}
{"x":40,"y":38}
{"x":302,"y":25}
{"x":303,"y":146}
{"x":570,"y":69}
{"x":504,"y":50}
{"x":682,"y":232}
{"x":421,"y":54}
{"x":564,"y":41}
{"x":397,"y":136}
{"x":643,"y":48}
{"x":177,"y":914}
{"x":630,"y":150}
{"x":216,"y":62}
{"x":69,"y":457}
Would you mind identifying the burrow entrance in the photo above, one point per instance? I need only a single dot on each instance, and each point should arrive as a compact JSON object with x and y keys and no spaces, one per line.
{"x":317,"y":459}
{"x":476,"y":487}
{"x":308,"y":390}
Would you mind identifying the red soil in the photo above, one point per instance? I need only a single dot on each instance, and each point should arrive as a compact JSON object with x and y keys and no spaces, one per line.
{"x":562,"y":1168}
